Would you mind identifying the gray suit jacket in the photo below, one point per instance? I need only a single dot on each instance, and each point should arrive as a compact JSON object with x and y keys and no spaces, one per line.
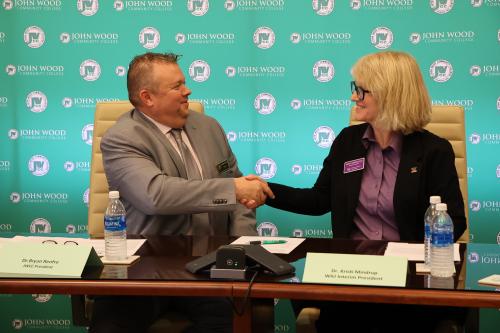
{"x":141,"y":163}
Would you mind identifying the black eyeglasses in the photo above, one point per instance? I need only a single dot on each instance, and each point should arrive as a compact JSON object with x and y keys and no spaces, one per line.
{"x":359,"y":91}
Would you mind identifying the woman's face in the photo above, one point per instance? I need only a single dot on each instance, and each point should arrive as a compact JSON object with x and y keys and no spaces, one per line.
{"x":366,"y":109}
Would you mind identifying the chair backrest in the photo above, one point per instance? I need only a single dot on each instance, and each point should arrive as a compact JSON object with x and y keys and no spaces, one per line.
{"x":448,"y":122}
{"x":106,"y":114}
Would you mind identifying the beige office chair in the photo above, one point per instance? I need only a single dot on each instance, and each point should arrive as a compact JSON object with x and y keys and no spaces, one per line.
{"x":106,"y":114}
{"x":447,"y":122}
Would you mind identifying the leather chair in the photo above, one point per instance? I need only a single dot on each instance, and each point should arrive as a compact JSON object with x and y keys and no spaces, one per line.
{"x":106,"y":114}
{"x":447,"y":121}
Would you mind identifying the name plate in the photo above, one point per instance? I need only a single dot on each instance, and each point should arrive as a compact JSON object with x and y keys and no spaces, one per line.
{"x":355,"y":269}
{"x":18,"y":259}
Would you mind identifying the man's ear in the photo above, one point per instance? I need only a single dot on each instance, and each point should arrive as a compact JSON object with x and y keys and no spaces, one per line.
{"x":146,"y":97}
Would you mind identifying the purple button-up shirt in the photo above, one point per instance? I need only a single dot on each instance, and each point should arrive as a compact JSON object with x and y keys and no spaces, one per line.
{"x":374,"y":216}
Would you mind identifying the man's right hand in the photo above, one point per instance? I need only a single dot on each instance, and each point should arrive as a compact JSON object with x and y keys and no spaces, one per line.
{"x":252,"y":192}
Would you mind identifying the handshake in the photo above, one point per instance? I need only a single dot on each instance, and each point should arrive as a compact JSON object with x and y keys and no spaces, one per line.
{"x":252,"y":191}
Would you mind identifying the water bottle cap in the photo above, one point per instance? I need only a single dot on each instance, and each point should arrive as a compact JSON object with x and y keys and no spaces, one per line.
{"x":114,"y":194}
{"x":435,"y":199}
{"x":441,"y":207}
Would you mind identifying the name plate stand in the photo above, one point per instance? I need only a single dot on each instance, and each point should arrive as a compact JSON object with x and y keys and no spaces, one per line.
{"x":34,"y":260}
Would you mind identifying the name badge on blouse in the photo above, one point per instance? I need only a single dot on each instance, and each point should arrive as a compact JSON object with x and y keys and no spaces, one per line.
{"x":354,"y":165}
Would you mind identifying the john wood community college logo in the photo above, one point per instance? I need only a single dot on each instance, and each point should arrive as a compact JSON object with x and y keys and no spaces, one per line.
{"x":266,"y":168}
{"x":323,"y":7}
{"x":38,"y":165}
{"x":149,"y":38}
{"x":36,"y":101}
{"x":34,"y":37}
{"x":441,"y":71}
{"x":323,"y":136}
{"x":323,"y":70}
{"x":381,"y":38}
{"x":199,"y":71}
{"x":440,"y":6}
{"x":267,"y":229}
{"x":40,"y":225}
{"x":90,"y":70}
{"x":264,"y":103}
{"x":198,"y":7}
{"x":87,"y":7}
{"x":263,"y":38}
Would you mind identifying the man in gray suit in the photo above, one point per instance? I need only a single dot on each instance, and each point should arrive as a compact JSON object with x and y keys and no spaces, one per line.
{"x":176,"y":175}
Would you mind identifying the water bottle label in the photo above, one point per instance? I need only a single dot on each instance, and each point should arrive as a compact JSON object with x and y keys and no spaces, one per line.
{"x":442,"y":239}
{"x":427,"y":229}
{"x":114,"y":223}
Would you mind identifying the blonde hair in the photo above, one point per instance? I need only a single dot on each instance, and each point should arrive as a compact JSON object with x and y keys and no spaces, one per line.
{"x":395,"y":81}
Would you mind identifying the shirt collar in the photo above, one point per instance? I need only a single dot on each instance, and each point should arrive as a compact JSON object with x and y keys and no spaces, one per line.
{"x":163,"y":128}
{"x":396,"y":142}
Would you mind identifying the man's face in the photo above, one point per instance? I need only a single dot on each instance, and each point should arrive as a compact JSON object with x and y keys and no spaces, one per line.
{"x":168,"y":101}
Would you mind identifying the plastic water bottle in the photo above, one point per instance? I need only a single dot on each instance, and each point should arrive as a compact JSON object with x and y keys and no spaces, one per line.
{"x":115,"y":229}
{"x":442,"y":243}
{"x":428,"y":217}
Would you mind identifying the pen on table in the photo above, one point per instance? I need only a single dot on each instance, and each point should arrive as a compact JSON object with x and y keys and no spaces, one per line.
{"x":269,"y":242}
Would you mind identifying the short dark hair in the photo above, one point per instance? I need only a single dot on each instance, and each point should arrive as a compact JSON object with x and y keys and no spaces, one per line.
{"x":139,"y":74}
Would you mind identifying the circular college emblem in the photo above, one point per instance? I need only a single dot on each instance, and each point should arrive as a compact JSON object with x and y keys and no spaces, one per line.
{"x":264,"y":103}
{"x":118,"y":5}
{"x":475,"y":205}
{"x":322,"y":7}
{"x":10,"y":70}
{"x":230,"y":71}
{"x":87,"y":132}
{"x":296,"y":169}
{"x":120,"y":71}
{"x":230,"y":5}
{"x":381,"y":37}
{"x":90,"y":70}
{"x":295,"y":38}
{"x":475,"y":138}
{"x":355,"y":4}
{"x":42,"y":298}
{"x":40,"y":225}
{"x":70,"y":229}
{"x":87,"y":7}
{"x":36,"y":101}
{"x":180,"y":38}
{"x":323,"y":136}
{"x":38,"y":165}
{"x":69,"y":166}
{"x":17,"y":324}
{"x":149,"y":38}
{"x":85,"y":197}
{"x":267,"y":229}
{"x":8,"y":4}
{"x":498,"y":103}
{"x":263,"y":38}
{"x":266,"y":168}
{"x":441,"y":70}
{"x":475,"y":70}
{"x":323,"y":70}
{"x":296,"y":104}
{"x":414,"y":38}
{"x":13,"y":134}
{"x":67,"y":102}
{"x":473,"y":257}
{"x":231,"y":136}
{"x":65,"y":38}
{"x":498,"y":171}
{"x":199,"y":71}
{"x":34,"y":37}
{"x":441,"y":8}
{"x":15,"y":197}
{"x":198,"y":7}
{"x":297,"y":233}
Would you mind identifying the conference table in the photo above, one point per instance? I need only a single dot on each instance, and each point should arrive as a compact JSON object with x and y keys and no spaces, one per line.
{"x":160,"y":271}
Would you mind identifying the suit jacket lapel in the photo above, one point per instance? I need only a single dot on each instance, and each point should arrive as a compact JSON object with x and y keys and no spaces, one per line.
{"x":172,"y":153}
{"x":406,"y":188}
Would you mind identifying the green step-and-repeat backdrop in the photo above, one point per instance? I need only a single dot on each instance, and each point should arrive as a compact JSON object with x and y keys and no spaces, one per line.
{"x":275,"y":73}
